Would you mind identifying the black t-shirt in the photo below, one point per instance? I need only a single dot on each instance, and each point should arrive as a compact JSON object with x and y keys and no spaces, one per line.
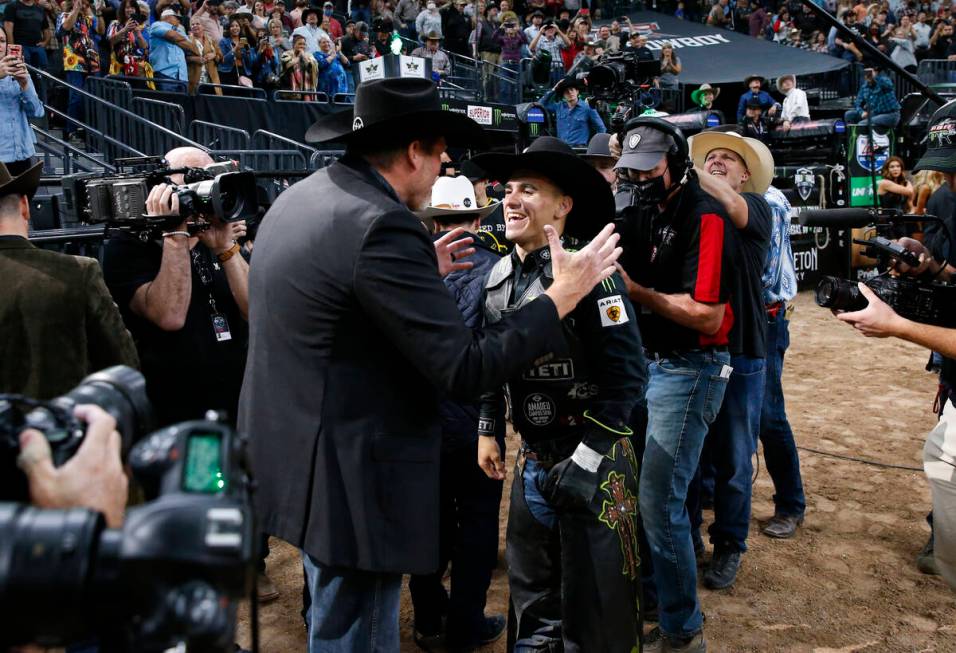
{"x":28,"y":22}
{"x":187,"y":371}
{"x":748,"y":336}
{"x":942,"y":204}
{"x":943,"y":47}
{"x":691,"y":252}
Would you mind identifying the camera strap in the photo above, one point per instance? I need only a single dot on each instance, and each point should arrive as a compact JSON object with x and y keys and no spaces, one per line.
{"x":220,"y":325}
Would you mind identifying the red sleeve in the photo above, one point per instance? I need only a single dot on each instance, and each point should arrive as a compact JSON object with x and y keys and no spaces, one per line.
{"x":706,"y":270}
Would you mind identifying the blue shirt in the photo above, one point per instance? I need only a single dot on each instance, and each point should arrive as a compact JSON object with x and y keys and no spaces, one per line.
{"x":228,"y":63}
{"x":332,"y":76}
{"x":878,"y":97}
{"x":165,"y":56}
{"x":763,"y":97}
{"x":16,"y":107}
{"x":779,"y":274}
{"x":575,"y":126}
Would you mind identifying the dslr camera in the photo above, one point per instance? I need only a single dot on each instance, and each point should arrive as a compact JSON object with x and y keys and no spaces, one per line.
{"x":217,"y":192}
{"x":172,"y":575}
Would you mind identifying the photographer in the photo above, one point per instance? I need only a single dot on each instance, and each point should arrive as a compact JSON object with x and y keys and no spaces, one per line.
{"x":880,"y":321}
{"x":552,"y":41}
{"x":93,"y":478}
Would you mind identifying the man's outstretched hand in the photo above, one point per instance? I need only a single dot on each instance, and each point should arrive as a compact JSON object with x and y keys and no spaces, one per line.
{"x":577,"y":273}
{"x":450,"y":249}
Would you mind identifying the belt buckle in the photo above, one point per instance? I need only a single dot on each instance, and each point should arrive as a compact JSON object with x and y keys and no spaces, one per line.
{"x":789,"y":312}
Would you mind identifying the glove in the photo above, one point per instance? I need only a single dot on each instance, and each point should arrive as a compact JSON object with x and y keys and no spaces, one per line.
{"x":570,"y":484}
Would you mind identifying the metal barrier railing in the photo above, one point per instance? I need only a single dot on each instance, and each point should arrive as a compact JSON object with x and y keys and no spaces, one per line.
{"x":114,"y":91}
{"x":169,"y":115}
{"x":217,"y":137}
{"x":235,"y":91}
{"x":324,"y":158}
{"x":53,"y":149}
{"x":279,"y":168}
{"x":936,"y":71}
{"x":344,"y":98}
{"x":141,"y":84}
{"x":299,"y":96}
{"x":267,"y":141}
{"x":110,"y":127}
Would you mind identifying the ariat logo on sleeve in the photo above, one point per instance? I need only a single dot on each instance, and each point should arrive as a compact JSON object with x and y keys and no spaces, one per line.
{"x":612,"y":311}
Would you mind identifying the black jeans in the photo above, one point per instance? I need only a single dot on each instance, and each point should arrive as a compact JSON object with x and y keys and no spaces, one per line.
{"x":575,"y":572}
{"x":469,"y":541}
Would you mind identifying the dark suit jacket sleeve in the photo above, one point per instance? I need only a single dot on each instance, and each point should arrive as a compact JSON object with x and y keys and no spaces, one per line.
{"x":396,"y":281}
{"x":107,"y":340}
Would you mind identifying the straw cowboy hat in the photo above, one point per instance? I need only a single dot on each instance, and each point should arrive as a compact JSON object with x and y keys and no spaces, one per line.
{"x":756,"y":156}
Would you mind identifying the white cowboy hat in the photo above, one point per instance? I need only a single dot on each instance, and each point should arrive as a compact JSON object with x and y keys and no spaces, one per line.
{"x":787,"y":76}
{"x":454,"y":196}
{"x":756,"y":156}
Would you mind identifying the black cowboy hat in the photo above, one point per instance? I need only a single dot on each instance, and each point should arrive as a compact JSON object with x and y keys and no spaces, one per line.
{"x":568,"y":82}
{"x":25,"y":183}
{"x":387,"y":106}
{"x":750,"y":78}
{"x":304,"y":17}
{"x":593,"y":201}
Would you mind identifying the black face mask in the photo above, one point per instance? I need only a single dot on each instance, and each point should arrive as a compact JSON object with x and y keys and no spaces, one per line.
{"x":636,"y":205}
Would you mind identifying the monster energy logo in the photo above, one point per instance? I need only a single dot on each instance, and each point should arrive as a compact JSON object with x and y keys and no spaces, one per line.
{"x":534,"y":129}
{"x":444,"y":106}
{"x":608,"y":284}
{"x":497,"y":116}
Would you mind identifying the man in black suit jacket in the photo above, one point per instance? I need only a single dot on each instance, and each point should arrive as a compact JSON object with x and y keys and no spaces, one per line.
{"x":353,"y":337}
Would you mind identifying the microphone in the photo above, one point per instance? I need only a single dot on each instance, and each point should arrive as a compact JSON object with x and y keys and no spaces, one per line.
{"x":842,"y":218}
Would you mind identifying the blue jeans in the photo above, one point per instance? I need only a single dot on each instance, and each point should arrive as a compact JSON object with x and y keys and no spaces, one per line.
{"x":74,"y":107}
{"x":352,"y":611}
{"x":362,"y":14}
{"x":882,"y":120}
{"x":684,"y":394}
{"x":730,"y":446}
{"x":175,"y":87}
{"x":35,"y":55}
{"x":779,"y":448}
{"x":511,"y":90}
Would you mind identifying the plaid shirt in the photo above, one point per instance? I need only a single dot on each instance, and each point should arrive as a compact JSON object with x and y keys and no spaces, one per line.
{"x":879,"y":97}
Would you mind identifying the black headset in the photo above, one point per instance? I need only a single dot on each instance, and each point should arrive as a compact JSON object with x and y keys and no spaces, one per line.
{"x":678,"y":159}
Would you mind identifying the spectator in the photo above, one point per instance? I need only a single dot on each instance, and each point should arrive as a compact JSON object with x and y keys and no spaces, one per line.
{"x":925,"y":184}
{"x":259,"y":18}
{"x":357,"y":49}
{"x":360,"y":11}
{"x":334,"y":27}
{"x":940,"y":44}
{"x":721,"y":15}
{"x":278,"y":13}
{"x":489,"y":51}
{"x":277,"y":39}
{"x":266,"y":70}
{"x":637,"y":45}
{"x":610,"y":42}
{"x":754,"y":123}
{"x":818,"y":43}
{"x":742,"y":13}
{"x":551,"y":41}
{"x":18,"y":103}
{"x":758,"y":21}
{"x":382,"y":9}
{"x":202,"y":66}
{"x":428,"y":21}
{"x":511,"y":39}
{"x":923,"y":31}
{"x":576,"y":121}
{"x":807,"y":22}
{"x":670,"y":68}
{"x":537,"y":20}
{"x":128,"y":47}
{"x":310,"y":30}
{"x":332,"y":76}
{"x":876,"y":101}
{"x":26,"y":24}
{"x":167,"y":51}
{"x":58,"y":319}
{"x":780,"y":26}
{"x":841,"y":47}
{"x":300,"y":70}
{"x":754,"y":93}
{"x":455,"y":28}
{"x":406,"y":14}
{"x":441,"y":65}
{"x":75,"y":28}
{"x":296,"y":13}
{"x":875,"y":38}
{"x":210,"y":13}
{"x":795,"y":107}
{"x":894,"y":189}
{"x":238,"y":58}
{"x":704,"y":96}
{"x":904,"y":54}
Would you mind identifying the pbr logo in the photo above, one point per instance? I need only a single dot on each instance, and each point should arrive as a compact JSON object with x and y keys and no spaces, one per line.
{"x":804,"y":181}
{"x":880,"y":155}
{"x":941,"y":134}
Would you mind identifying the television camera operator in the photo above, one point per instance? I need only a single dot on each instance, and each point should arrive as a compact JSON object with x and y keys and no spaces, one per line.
{"x":879,"y":320}
{"x":185,"y":300}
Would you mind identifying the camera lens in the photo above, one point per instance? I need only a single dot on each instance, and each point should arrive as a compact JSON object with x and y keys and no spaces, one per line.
{"x":121,"y":392}
{"x":839,"y":294}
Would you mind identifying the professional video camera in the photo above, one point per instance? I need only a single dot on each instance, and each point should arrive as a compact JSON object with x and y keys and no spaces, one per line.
{"x":174,"y":572}
{"x":216,"y":192}
{"x":920,"y":300}
{"x":621,"y":86}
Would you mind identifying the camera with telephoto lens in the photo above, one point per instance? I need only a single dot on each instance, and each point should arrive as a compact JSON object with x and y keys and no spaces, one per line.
{"x":217,"y":192}
{"x":918,"y":300}
{"x":172,"y":575}
{"x":621,"y":86}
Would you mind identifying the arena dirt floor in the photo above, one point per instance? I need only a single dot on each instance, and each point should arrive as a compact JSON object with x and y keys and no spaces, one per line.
{"x":848,"y":581}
